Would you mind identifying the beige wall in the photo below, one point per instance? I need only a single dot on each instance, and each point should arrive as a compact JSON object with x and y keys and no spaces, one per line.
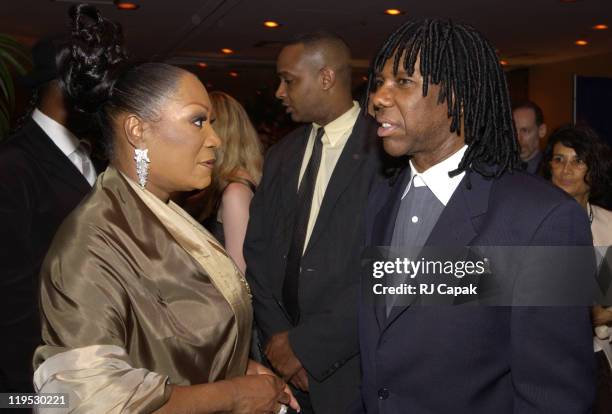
{"x":550,"y":85}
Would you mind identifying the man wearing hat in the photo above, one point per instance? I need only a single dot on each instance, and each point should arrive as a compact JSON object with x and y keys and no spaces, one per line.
{"x":46,"y":171}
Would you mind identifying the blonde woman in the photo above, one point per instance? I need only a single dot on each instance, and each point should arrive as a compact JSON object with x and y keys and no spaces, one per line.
{"x":236,"y":174}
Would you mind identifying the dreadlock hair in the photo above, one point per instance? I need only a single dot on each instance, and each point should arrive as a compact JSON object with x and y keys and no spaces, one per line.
{"x":472,"y":83}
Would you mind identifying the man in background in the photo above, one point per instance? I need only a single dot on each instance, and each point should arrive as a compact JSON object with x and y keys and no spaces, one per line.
{"x":530,"y":129}
{"x":46,"y":171}
{"x":305,"y":230}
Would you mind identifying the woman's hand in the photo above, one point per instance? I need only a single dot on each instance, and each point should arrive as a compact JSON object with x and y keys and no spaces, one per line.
{"x":255,"y":368}
{"x":261,"y":394}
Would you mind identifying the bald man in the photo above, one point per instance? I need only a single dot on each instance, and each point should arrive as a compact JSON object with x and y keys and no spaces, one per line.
{"x":305,"y":232}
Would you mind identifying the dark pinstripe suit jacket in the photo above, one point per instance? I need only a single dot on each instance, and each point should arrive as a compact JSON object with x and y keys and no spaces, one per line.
{"x":325,"y":340}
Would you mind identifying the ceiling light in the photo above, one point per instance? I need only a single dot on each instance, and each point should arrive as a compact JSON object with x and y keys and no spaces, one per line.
{"x":503,"y":62}
{"x":126,"y":5}
{"x":233,"y":74}
{"x":581,"y":42}
{"x":227,"y":51}
{"x":393,"y":12}
{"x":271,"y":24}
{"x":600,"y":27}
{"x":202,"y":64}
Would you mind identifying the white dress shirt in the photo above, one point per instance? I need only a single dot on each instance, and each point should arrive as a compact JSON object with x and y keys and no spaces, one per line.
{"x":437,"y":179}
{"x":69,"y":144}
{"x":335,"y":137}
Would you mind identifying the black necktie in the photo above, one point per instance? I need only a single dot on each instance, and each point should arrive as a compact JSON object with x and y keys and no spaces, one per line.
{"x":302,"y":214}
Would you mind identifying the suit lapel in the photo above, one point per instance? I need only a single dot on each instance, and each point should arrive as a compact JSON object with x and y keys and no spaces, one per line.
{"x":352,"y":157}
{"x":290,"y":170}
{"x":458,"y":224}
{"x":52,"y":159}
{"x":384,"y":223}
{"x":382,"y":231}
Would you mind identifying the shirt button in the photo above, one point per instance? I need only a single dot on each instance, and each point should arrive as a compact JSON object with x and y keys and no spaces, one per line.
{"x":383,"y":394}
{"x":415,"y":219}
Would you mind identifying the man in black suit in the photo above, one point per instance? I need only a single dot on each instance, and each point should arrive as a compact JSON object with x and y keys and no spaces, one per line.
{"x":440,"y":97}
{"x":45,"y":173}
{"x":305,"y":230}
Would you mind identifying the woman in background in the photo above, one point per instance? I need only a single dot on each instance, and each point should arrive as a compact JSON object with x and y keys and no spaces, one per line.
{"x":142,"y":310}
{"x":225,"y":204}
{"x":577,"y":161}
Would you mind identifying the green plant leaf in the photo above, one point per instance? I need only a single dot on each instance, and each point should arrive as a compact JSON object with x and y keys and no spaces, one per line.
{"x":4,"y":38}
{"x":5,"y":92}
{"x":20,"y":52}
{"x":16,"y":48}
{"x":18,"y":66}
{"x":4,"y":108}
{"x":7,"y":85}
{"x":14,"y":57}
{"x":4,"y":126}
{"x":9,"y":40}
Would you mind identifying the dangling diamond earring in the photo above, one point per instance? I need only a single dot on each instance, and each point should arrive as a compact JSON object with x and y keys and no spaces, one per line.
{"x":142,"y":165}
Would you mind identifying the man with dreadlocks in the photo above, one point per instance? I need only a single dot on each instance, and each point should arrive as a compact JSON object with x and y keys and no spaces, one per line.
{"x":440,"y":97}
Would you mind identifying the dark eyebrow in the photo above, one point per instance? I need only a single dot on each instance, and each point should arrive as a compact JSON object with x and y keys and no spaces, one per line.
{"x":199,"y":104}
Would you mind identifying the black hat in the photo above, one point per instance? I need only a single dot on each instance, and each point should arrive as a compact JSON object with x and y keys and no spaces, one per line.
{"x":44,"y":67}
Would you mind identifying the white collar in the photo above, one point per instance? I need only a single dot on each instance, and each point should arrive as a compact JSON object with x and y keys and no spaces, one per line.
{"x":65,"y":140}
{"x":335,"y":131}
{"x":437,"y":179}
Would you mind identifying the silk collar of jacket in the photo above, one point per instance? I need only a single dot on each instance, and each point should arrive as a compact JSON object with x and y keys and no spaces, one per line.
{"x":199,"y":244}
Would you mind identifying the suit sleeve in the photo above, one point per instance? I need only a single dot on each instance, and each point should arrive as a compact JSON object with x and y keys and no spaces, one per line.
{"x":325,"y":341}
{"x":268,"y":314}
{"x":552,"y":353}
{"x":20,"y":264}
{"x":15,"y":221}
{"x":19,"y":274}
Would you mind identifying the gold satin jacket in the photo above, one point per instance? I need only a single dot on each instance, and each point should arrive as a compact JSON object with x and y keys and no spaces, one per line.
{"x":135,"y":295}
